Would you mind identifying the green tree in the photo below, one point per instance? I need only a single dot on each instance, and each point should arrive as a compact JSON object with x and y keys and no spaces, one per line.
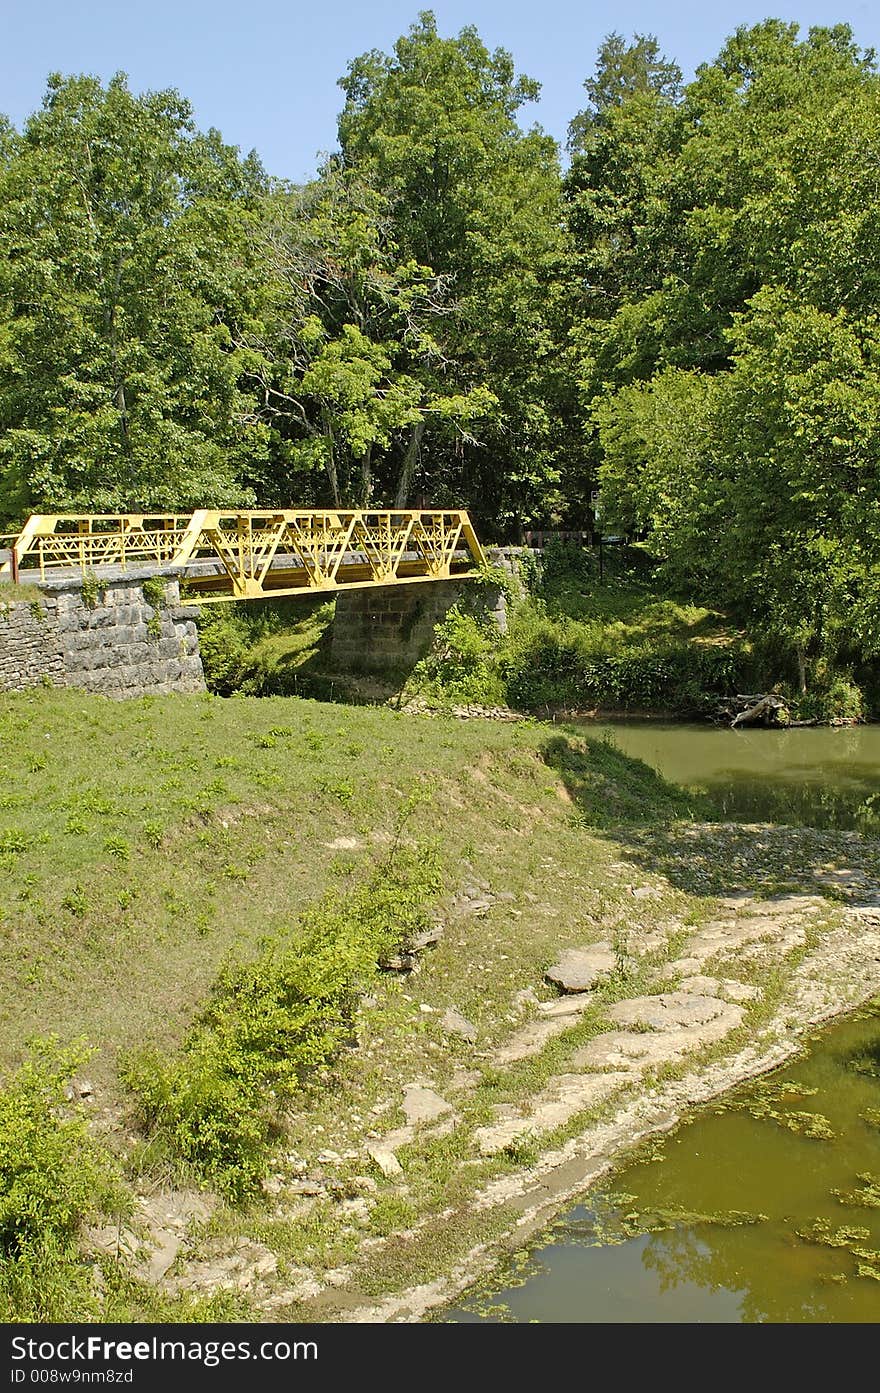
{"x":353,"y":366}
{"x":477,"y":199}
{"x":728,"y":337}
{"x":681,"y":210}
{"x":623,"y":71}
{"x":125,"y":282}
{"x":762,"y":484}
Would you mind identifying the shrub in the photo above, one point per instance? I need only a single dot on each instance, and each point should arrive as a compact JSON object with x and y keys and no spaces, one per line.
{"x":839,"y":699}
{"x":270,"y":1023}
{"x":53,"y":1177}
{"x":553,"y":662}
{"x":546,"y":661}
{"x":153,"y":591}
{"x":226,"y":646}
{"x":563,"y":558}
{"x":463,"y":664}
{"x":52,"y":1174}
{"x":93,"y":590}
{"x":258,"y":647}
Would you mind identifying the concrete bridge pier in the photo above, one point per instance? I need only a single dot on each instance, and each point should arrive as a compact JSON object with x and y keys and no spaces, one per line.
{"x":389,"y":628}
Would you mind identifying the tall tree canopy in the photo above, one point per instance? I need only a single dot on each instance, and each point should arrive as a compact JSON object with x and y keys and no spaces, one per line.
{"x":477,"y":199}
{"x":352,"y":365}
{"x":124,"y":275}
{"x":733,"y":379}
{"x":623,"y":71}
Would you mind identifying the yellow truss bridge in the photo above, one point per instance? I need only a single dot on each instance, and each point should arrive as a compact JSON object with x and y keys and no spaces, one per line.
{"x":246,"y":555}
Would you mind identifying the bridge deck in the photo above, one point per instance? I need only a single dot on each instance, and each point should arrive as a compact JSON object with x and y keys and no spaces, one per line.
{"x":246,"y":555}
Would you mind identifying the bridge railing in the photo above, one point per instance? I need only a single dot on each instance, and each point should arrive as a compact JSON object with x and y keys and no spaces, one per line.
{"x":246,"y":554}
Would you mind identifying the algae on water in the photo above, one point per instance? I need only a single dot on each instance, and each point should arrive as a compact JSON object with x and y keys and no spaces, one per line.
{"x":866,"y":1197}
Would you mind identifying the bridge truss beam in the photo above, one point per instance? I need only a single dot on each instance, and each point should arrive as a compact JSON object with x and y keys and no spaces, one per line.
{"x":246,"y":555}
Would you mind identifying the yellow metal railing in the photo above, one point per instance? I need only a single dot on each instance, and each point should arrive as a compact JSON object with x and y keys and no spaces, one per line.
{"x":244,"y":555}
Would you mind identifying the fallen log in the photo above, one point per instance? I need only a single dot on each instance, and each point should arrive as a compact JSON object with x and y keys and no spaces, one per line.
{"x":766,"y":709}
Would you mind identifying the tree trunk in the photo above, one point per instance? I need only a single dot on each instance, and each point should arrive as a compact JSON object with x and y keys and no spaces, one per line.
{"x":764,"y":709}
{"x":332,"y":472}
{"x":122,"y":408}
{"x":366,"y":476}
{"x":802,"y":670}
{"x":408,"y":468}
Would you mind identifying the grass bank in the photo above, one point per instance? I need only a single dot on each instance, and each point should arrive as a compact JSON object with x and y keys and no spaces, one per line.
{"x":579,"y":640}
{"x":220,"y":883}
{"x":575,"y":641}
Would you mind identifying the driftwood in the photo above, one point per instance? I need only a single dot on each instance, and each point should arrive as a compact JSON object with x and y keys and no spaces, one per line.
{"x":757,"y":708}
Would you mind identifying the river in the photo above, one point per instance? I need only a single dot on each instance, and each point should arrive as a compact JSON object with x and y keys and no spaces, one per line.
{"x":814,"y":776}
{"x":766,"y":1206}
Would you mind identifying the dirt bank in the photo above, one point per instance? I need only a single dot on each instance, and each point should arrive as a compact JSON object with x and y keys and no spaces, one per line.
{"x":450,"y":1139}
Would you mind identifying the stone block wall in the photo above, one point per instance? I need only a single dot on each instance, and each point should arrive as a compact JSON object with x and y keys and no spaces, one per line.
{"x":30,"y":652}
{"x":111,"y":640}
{"x":389,"y":628}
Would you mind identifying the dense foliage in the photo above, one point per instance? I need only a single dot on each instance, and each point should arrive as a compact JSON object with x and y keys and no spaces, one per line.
{"x":729,"y":352}
{"x":685,"y":317}
{"x":614,"y":646}
{"x":53,"y":1177}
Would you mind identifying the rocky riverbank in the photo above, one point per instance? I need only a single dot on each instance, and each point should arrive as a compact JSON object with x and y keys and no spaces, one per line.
{"x":482,"y":1128}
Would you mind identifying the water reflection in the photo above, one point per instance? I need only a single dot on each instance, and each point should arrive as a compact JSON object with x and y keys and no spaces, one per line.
{"x":717,"y":1263}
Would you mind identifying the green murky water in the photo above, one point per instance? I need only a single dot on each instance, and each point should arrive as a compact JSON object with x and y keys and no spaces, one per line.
{"x":814,"y":777}
{"x":766,"y":1206}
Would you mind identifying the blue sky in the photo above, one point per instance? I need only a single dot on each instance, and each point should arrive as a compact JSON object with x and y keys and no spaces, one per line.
{"x":265,"y":72}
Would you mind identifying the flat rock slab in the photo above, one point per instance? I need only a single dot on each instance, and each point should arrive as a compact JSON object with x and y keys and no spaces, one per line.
{"x":740,"y":899}
{"x":786,"y":905}
{"x":454,"y":1023}
{"x":565,"y":1006}
{"x":688,"y":967}
{"x":386,"y":1160}
{"x":867,"y":912}
{"x":165,"y":1217}
{"x":532,"y":1038}
{"x":177,"y":1208}
{"x":402,"y":1136}
{"x":667,"y":1011}
{"x":631,"y":1051}
{"x":421,"y":1104}
{"x":112,"y":1240}
{"x":720,"y":986}
{"x":748,"y":937}
{"x":426,"y":939}
{"x":239,"y":1270}
{"x":638,"y":1050}
{"x":653,"y":942}
{"x":786,"y":937}
{"x":579,"y":969}
{"x":561,"y":1099}
{"x":472,"y":902}
{"x":168,"y":1244}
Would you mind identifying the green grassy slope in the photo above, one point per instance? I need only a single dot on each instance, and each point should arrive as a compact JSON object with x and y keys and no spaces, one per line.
{"x":143,"y":842}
